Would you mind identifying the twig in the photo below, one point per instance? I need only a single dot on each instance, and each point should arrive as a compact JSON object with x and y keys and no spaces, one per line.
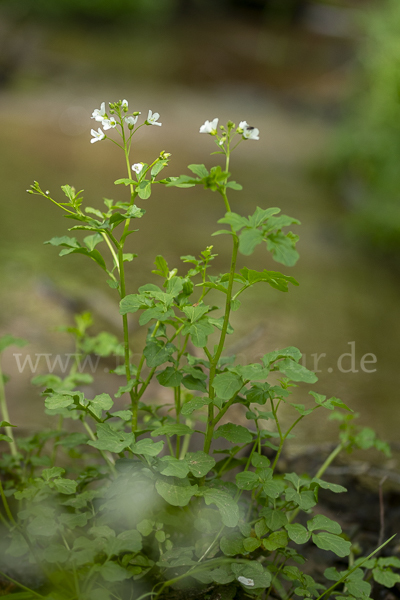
{"x":381,"y":512}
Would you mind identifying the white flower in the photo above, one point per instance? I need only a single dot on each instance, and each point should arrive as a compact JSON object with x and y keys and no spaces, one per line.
{"x":131,"y":120}
{"x":109,"y":123}
{"x":251,"y":133}
{"x":209,"y":127}
{"x":246,"y":581}
{"x":152,"y":118}
{"x":99,"y":113}
{"x":124,"y":104}
{"x":97,"y":135}
{"x":137,"y":167}
{"x":243,"y":125}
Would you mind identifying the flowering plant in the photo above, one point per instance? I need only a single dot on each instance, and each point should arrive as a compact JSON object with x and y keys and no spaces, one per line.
{"x":170,"y":496}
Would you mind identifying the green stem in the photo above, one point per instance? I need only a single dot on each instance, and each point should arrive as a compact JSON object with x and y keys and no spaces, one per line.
{"x":6,"y":506}
{"x":329,"y":460}
{"x":358,"y":565}
{"x":115,"y":257}
{"x":5,"y":415}
{"x":108,"y":460}
{"x":217,"y":355}
{"x":20,"y":585}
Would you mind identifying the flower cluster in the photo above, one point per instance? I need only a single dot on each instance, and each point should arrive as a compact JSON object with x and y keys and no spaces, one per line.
{"x":247,"y":131}
{"x":115,"y":117}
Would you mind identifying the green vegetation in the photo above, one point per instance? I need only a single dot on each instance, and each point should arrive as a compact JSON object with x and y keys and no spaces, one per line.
{"x":168,"y":496}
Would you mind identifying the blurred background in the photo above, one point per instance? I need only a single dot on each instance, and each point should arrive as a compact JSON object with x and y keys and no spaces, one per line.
{"x":321,"y":81}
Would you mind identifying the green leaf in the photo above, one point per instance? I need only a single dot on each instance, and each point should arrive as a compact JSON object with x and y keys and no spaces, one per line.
{"x":194,"y":404}
{"x":289,"y":352}
{"x":125,"y":181}
{"x":254,"y":572}
{"x":176,"y":492}
{"x":235,"y":221}
{"x":232,"y":544}
{"x":174,"y":467}
{"x":170,"y":377}
{"x":199,"y":170}
{"x":233,"y":185}
{"x":333,"y":487}
{"x":91,"y":241}
{"x":99,"y":403}
{"x":147,"y":447}
{"x":275,"y":519}
{"x":65,"y":240}
{"x":250,"y":544}
{"x":199,"y":332}
{"x":248,"y":240}
{"x":278,"y":539}
{"x":385,"y":577}
{"x":329,"y":541}
{"x":55,"y":553}
{"x":322,"y":522}
{"x":261,"y":215}
{"x":194,"y":313}
{"x":74,"y":520}
{"x":157,"y":353}
{"x":128,"y":541}
{"x":170,"y":429}
{"x":49,"y":474}
{"x":162,"y":266}
{"x":227,"y":384}
{"x":297,"y":533}
{"x":305,"y":500}
{"x":226,"y":505}
{"x":10,"y":340}
{"x":145,"y":527}
{"x":282,"y":248}
{"x":58,"y":401}
{"x":65,"y":486}
{"x":111,"y":440}
{"x":42,"y":526}
{"x":174,"y":286}
{"x":192,"y":383}
{"x":275,"y":279}
{"x":132,"y":303}
{"x":111,"y":571}
{"x":144,"y":189}
{"x":199,"y":463}
{"x":253,"y":372}
{"x":296,"y":372}
{"x":247,"y":480}
{"x":234,"y":433}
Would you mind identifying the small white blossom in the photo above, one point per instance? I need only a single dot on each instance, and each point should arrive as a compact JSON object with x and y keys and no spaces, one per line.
{"x":209,"y":127}
{"x":251,"y":133}
{"x":99,"y":113}
{"x":124,"y":104}
{"x":137,"y":167}
{"x":246,"y":581}
{"x":243,"y":125}
{"x":109,"y":123}
{"x":97,"y":135}
{"x":152,"y":118}
{"x":131,"y":120}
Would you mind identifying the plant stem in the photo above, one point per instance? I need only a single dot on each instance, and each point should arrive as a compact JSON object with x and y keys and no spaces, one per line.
{"x":217,"y":355}
{"x":108,"y":460}
{"x":329,"y":460}
{"x":6,"y":506}
{"x":5,"y":415}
